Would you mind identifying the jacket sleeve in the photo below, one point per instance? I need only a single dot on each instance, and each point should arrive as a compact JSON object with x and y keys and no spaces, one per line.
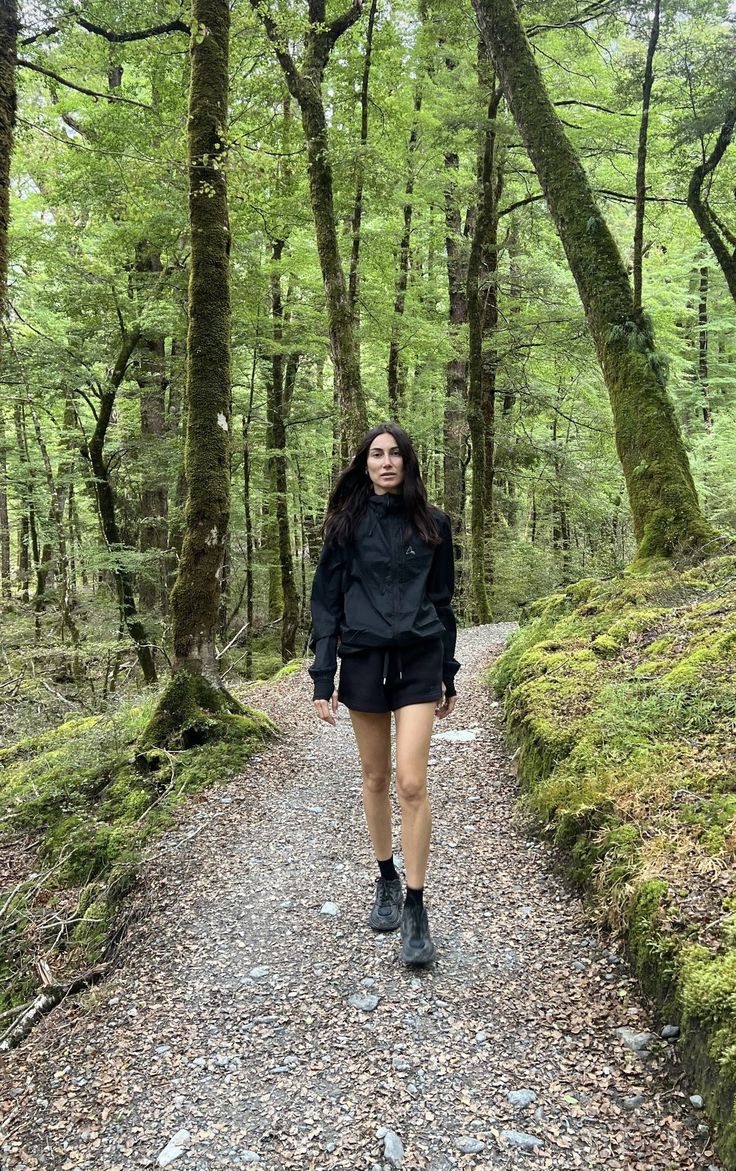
{"x":327,"y":612}
{"x":440,"y":588}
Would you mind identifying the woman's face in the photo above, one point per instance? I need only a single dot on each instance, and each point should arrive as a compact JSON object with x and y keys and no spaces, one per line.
{"x":385,"y":464}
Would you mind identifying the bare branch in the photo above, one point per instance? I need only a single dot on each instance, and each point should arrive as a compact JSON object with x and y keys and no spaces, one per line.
{"x":92,"y":93}
{"x":174,"y":26}
{"x":593,"y":106}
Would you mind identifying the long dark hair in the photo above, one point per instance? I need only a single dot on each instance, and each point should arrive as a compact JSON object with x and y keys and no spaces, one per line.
{"x":349,"y":498}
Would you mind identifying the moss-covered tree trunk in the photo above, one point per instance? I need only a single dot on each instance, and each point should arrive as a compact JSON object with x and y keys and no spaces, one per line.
{"x":305,"y":84}
{"x":357,"y":221}
{"x":664,"y":503}
{"x":195,"y":598}
{"x":454,"y":424}
{"x":482,"y":321}
{"x":8,"y":54}
{"x":396,"y":368}
{"x":4,"y":516}
{"x":8,"y":65}
{"x":195,"y":705}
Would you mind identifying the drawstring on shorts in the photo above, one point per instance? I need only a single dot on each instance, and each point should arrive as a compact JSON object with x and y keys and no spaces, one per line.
{"x":386,"y":657}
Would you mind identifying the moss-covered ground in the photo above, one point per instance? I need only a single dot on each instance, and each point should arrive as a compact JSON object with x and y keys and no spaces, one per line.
{"x":76,"y":809}
{"x":621,"y":699}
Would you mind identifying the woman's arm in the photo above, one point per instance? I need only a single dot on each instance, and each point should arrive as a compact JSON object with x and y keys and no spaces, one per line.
{"x":440,"y":588}
{"x":327,"y":613}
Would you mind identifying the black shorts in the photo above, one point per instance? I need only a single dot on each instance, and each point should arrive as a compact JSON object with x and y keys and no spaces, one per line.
{"x":413,"y":674}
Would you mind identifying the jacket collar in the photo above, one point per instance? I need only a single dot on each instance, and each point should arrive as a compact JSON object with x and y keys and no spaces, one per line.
{"x":387,"y":503}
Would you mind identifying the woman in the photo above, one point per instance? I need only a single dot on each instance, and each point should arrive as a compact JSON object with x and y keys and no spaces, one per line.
{"x":381,"y":600}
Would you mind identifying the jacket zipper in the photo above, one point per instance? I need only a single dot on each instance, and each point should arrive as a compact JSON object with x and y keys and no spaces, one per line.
{"x":395,"y":563}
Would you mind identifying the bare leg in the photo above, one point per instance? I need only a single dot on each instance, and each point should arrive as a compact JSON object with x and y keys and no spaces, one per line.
{"x":413,"y":733}
{"x":373,"y":736}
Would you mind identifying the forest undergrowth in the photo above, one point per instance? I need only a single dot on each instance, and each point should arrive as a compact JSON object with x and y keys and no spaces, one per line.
{"x":79,"y":801}
{"x":620,"y":697}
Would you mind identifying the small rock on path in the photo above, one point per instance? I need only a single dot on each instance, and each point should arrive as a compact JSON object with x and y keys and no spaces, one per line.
{"x":229,"y":1012}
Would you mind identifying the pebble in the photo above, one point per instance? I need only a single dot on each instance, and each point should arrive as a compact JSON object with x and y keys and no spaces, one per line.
{"x":517,"y":1138}
{"x":634,"y":1040}
{"x":329,"y":909}
{"x":250,"y":1157}
{"x":469,"y":1146}
{"x":521,"y":1098}
{"x":365,"y":1003}
{"x":400,"y":1063}
{"x":696,"y":1101}
{"x":480,"y":1037}
{"x":669,"y":1032}
{"x":174,"y":1147}
{"x":258,"y":973}
{"x":633,"y":1102}
{"x":393,"y":1148}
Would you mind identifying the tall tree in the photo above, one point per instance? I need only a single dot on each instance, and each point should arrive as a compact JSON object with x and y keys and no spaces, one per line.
{"x":664,"y":503}
{"x":305,"y":85}
{"x":482,"y":320}
{"x":195,"y":598}
{"x":396,"y":372}
{"x":8,"y":59}
{"x":641,"y":158}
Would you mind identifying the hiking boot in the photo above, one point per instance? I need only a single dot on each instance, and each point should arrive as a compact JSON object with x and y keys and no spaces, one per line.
{"x":386,"y":910}
{"x":416,"y":942}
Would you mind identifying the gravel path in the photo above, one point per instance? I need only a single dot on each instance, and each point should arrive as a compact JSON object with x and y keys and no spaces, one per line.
{"x":232,"y":1012}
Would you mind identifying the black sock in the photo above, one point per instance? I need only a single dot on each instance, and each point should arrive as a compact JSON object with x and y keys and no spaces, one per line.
{"x":414,"y":897}
{"x":387,"y":868}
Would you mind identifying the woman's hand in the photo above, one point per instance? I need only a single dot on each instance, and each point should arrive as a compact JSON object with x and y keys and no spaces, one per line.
{"x":323,"y":706}
{"x":445,"y":707}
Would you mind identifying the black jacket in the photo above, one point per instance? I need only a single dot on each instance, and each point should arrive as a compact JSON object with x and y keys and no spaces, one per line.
{"x":382,"y":590}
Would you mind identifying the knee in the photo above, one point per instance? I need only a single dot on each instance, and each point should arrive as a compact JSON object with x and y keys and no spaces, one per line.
{"x":411,"y":788}
{"x":376,"y":781}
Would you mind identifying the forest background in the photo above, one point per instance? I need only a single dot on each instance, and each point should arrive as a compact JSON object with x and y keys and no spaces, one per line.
{"x":95,"y":338}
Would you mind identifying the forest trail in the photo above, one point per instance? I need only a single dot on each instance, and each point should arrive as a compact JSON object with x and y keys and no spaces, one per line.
{"x":231,"y":1013}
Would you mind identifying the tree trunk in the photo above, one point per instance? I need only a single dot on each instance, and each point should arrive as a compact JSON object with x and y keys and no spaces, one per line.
{"x":8,"y":54}
{"x":719,"y":236}
{"x":664,"y":503}
{"x":703,"y":348}
{"x":641,"y":158}
{"x":306,"y":86}
{"x":353,"y":278}
{"x":152,"y":380}
{"x":482,"y":321}
{"x":396,"y":372}
{"x":8,"y":59}
{"x":102,"y":490}
{"x":195,"y":598}
{"x":4,"y":517}
{"x":457,"y":391}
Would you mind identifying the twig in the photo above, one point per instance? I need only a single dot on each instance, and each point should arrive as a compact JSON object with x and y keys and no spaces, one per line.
{"x":232,"y":640}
